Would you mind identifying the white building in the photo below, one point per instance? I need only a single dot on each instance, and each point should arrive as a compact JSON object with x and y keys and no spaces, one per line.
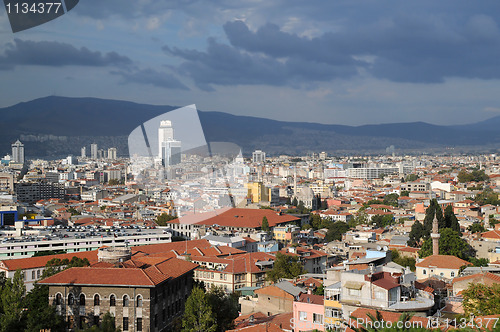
{"x":258,"y":156}
{"x":112,"y":153}
{"x":18,"y":152}
{"x":93,"y":151}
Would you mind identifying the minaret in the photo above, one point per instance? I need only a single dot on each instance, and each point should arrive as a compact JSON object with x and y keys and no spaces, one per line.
{"x":435,"y":235}
{"x":486,"y":221}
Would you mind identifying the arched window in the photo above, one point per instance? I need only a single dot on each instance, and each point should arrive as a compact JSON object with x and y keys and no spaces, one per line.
{"x":424,"y":271}
{"x":58,"y":299}
{"x":82,"y":299}
{"x":71,"y":299}
{"x":125,"y":300}
{"x":97,"y":299}
{"x":139,"y":301}
{"x":112,"y":300}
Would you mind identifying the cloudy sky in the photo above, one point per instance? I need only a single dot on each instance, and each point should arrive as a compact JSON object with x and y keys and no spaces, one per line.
{"x":345,"y":62}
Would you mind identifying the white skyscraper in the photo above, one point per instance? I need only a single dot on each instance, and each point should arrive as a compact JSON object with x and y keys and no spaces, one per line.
{"x":84,"y":152}
{"x":93,"y":151}
{"x":165,"y":133}
{"x":112,"y":153}
{"x":258,"y":156}
{"x":18,"y":152}
{"x":169,"y":150}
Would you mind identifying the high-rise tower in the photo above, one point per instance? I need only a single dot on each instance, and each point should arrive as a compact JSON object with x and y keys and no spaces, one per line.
{"x":18,"y":152}
{"x":169,"y":149}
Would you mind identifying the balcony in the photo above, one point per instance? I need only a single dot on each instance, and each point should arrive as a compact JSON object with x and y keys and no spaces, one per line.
{"x":416,"y":304}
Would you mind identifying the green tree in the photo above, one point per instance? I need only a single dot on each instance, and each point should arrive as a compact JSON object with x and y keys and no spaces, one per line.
{"x":432,"y":210}
{"x":411,"y":177}
{"x":336,"y":230}
{"x":198,"y":315}
{"x":113,"y":182}
{"x":265,"y":225}
{"x":450,"y":220}
{"x":481,"y":300}
{"x":12,"y":303}
{"x":162,"y":219}
{"x":319,"y":290}
{"x":224,"y":307}
{"x":405,"y":193}
{"x":403,"y":261}
{"x":315,"y":221}
{"x":476,"y":228}
{"x":487,"y":196}
{"x":285,"y":266}
{"x":359,"y":219}
{"x":382,"y":221}
{"x":450,"y":243}
{"x":416,"y":234}
{"x":295,"y":202}
{"x":391,"y":199}
{"x":39,"y":315}
{"x":475,"y":175}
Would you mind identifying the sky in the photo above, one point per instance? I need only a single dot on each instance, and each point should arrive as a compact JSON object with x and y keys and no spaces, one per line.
{"x":337,"y":62}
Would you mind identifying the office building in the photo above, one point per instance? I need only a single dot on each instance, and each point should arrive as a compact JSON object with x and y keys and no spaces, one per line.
{"x":93,"y":151}
{"x":84,"y":152}
{"x":112,"y":153}
{"x":258,"y":156}
{"x":18,"y":152}
{"x":169,"y":148}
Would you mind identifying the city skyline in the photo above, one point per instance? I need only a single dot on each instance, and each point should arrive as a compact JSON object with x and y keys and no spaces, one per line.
{"x":339,"y":63}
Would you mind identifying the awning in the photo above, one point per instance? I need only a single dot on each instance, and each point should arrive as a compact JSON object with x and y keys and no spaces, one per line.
{"x":353,"y":285}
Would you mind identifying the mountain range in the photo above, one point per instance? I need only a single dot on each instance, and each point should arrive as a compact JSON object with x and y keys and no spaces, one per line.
{"x":57,"y":126}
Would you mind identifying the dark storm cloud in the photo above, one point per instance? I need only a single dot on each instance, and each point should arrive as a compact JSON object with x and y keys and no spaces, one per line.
{"x":56,"y":54}
{"x":151,"y":77}
{"x":223,"y":64}
{"x":408,"y":48}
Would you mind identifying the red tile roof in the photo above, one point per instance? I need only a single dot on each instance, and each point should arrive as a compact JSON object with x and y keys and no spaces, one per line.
{"x":247,"y":218}
{"x":443,"y":262}
{"x":41,"y":261}
{"x":146,"y":277}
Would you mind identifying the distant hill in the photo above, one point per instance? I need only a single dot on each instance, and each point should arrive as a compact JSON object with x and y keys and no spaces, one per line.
{"x":57,"y":126}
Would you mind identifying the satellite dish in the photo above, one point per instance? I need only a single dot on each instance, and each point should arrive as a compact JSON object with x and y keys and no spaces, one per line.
{"x":379,"y":248}
{"x":386,"y":248}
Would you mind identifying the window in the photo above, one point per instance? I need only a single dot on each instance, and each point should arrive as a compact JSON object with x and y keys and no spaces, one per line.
{"x":452,"y":274}
{"x":96,"y":320}
{"x":317,"y":319}
{"x":354,"y":292}
{"x":71,"y":299}
{"x":424,"y":271}
{"x":112,"y":300}
{"x":139,"y":301}
{"x":33,"y":274}
{"x":139,"y":324}
{"x":82,"y":299}
{"x":332,"y":313}
{"x":302,"y":315}
{"x":38,"y":274}
{"x":379,"y":295}
{"x":125,"y":323}
{"x":97,"y":299}
{"x":125,"y":301}
{"x":441,"y":274}
{"x":58,"y":299}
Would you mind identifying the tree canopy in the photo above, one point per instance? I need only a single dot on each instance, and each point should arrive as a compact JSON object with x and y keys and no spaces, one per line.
{"x":198,"y":315}
{"x":476,"y":176}
{"x":285,"y":266}
{"x":336,"y":230}
{"x":163,"y":218}
{"x":450,"y":243}
{"x":481,"y":300}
